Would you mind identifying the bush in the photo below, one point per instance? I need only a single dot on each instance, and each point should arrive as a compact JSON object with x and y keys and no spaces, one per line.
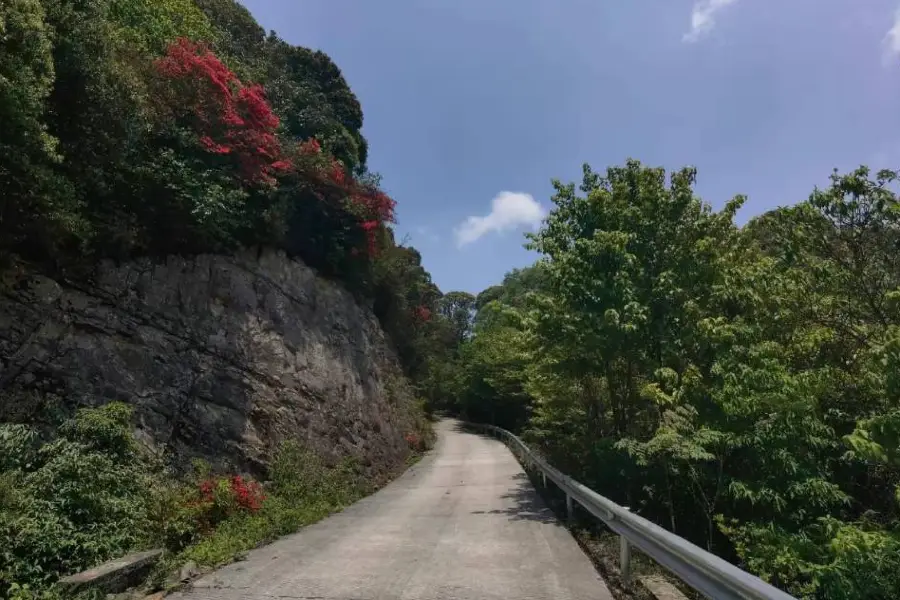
{"x":303,"y":489}
{"x":415,"y":442}
{"x":300,"y":475}
{"x":89,"y":496}
{"x":73,"y":502}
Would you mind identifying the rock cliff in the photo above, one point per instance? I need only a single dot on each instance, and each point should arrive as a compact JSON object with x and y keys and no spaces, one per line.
{"x":222,"y":356}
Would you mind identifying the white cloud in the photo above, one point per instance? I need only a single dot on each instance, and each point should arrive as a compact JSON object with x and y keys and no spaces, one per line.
{"x":892,"y":40}
{"x":703,"y":17}
{"x":509,"y":210}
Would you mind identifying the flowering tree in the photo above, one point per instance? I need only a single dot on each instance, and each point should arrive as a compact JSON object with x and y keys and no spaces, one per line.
{"x":230,"y":118}
{"x":371,"y":207}
{"x":422,"y":314}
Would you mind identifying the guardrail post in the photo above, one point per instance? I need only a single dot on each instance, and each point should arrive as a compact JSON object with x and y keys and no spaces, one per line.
{"x":544,"y":477}
{"x":625,"y":559}
{"x":570,"y":509}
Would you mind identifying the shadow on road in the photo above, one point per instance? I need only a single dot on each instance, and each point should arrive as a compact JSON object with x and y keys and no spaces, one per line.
{"x":462,"y":427}
{"x":527,"y":505}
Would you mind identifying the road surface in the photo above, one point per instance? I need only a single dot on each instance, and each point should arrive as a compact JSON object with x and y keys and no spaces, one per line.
{"x":464,"y":523}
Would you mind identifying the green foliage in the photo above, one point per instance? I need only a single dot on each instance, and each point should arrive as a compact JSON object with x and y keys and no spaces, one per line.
{"x":77,"y":500}
{"x":89,"y":495}
{"x":300,"y":475}
{"x":98,"y":159}
{"x":402,"y":288}
{"x":154,"y":24}
{"x":458,"y":308}
{"x":302,"y":490}
{"x":738,"y":386}
{"x":26,"y":76}
{"x":37,"y":205}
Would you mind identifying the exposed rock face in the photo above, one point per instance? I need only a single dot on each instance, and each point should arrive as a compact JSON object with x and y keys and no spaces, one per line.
{"x":223,"y":357}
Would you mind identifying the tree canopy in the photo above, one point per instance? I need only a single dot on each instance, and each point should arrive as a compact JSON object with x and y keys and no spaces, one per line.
{"x":734,"y":384}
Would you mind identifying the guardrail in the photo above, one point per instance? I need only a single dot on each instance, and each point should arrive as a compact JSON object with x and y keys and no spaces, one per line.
{"x":708,"y":574}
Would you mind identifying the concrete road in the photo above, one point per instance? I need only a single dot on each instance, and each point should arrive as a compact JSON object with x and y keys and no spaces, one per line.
{"x":464,"y":523}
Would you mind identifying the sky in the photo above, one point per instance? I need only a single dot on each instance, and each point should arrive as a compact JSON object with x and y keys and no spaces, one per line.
{"x":472,"y":107}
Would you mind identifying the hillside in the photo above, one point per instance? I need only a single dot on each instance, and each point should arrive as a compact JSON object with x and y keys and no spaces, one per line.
{"x":208,"y":334}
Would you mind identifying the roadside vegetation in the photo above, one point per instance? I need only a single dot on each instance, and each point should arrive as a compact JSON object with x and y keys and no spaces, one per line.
{"x":91,"y":493}
{"x":735,"y":384}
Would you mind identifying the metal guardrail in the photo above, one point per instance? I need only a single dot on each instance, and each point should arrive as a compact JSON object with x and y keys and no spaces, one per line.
{"x":708,"y":574}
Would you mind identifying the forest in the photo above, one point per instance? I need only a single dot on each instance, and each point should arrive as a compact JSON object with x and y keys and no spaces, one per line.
{"x":737,"y":385}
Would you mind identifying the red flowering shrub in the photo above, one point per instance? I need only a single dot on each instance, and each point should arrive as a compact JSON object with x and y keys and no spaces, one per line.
{"x":217,"y":499}
{"x":337,"y":173}
{"x":415,"y":442}
{"x":249,"y":495}
{"x":422,"y":314}
{"x":310,"y":146}
{"x":229,"y":117}
{"x":372,"y":207}
{"x":375,"y":203}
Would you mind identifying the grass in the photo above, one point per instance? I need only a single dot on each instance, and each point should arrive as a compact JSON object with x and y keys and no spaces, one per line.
{"x":234,"y":537}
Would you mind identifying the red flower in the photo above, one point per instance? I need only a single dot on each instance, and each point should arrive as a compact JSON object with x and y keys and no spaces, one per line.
{"x":310,"y":146}
{"x":415,"y":443}
{"x":371,"y":229}
{"x":213,"y":147}
{"x":337,"y":173}
{"x":249,"y":496}
{"x":422,"y":314}
{"x":240,"y":495}
{"x":230,"y":117}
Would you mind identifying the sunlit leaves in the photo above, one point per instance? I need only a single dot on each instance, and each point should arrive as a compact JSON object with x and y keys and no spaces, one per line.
{"x":738,"y":386}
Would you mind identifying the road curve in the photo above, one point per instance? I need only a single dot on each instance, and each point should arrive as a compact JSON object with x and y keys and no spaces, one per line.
{"x":464,"y":523}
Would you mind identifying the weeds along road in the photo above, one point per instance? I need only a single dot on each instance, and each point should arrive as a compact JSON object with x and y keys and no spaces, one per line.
{"x":464,"y":523}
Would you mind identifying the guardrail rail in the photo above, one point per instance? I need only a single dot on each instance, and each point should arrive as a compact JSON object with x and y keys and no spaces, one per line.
{"x":704,"y":572}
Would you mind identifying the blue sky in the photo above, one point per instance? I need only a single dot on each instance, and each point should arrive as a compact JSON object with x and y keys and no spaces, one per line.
{"x":474,"y":105}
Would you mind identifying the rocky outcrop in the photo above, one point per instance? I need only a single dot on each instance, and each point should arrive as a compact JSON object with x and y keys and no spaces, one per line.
{"x":223,"y":357}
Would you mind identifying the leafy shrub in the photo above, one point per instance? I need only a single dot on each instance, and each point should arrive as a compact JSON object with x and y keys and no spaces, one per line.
{"x":303,"y":489}
{"x":415,"y":442}
{"x":79,"y":500}
{"x":828,"y":559}
{"x":299,"y":474}
{"x":223,"y":497}
{"x":18,"y":447}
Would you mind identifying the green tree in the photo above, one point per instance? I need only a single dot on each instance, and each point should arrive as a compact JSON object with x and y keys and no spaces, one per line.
{"x":736,"y":385}
{"x":38,"y":209}
{"x":458,"y":308}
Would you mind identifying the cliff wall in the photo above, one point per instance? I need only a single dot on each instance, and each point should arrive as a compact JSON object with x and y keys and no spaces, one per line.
{"x":223,"y":357}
